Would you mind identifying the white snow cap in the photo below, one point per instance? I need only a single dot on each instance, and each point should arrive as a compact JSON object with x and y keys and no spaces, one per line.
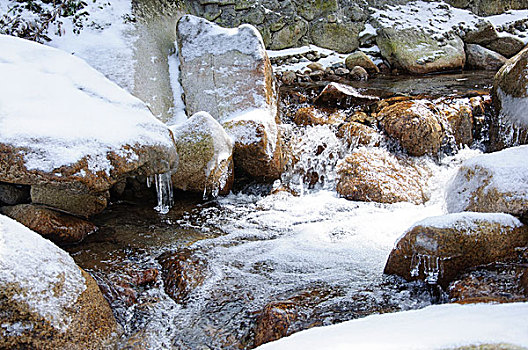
{"x":209,"y":38}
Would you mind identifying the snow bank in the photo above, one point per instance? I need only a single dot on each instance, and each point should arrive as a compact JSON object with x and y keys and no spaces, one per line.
{"x":435,"y":327}
{"x":47,"y":278}
{"x":61,"y":110}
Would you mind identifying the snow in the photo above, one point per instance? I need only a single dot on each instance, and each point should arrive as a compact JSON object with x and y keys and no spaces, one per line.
{"x":178,"y":112}
{"x":435,"y":327}
{"x":331,"y":59}
{"x":49,"y":281}
{"x":211,"y":39}
{"x":514,"y":109}
{"x":61,"y":110}
{"x":505,"y":171}
{"x":468,"y":221}
{"x":106,"y":41}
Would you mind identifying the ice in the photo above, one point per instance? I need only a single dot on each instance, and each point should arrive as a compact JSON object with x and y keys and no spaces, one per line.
{"x":178,"y":113}
{"x":164,"y":192}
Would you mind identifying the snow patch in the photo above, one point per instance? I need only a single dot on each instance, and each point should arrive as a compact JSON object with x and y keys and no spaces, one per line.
{"x":468,"y":221}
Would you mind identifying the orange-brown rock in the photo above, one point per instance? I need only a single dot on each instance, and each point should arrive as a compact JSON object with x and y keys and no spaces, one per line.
{"x":182,"y":272}
{"x":343,"y":96}
{"x":438,"y":249}
{"x":274,"y":321}
{"x":313,"y":116}
{"x":414,"y":125}
{"x":375,"y":175}
{"x":57,"y":227}
{"x":360,"y":59}
{"x":358,"y":134}
{"x":459,"y":115}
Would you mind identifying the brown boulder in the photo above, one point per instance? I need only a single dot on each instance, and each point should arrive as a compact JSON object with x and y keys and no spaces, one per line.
{"x":57,"y":227}
{"x":182,"y":272}
{"x":360,"y":59}
{"x":343,"y":96}
{"x":506,"y":45}
{"x":357,"y":134}
{"x":274,"y":322}
{"x":313,"y":116}
{"x":375,"y":175}
{"x":11,"y":194}
{"x":414,"y":125}
{"x":509,"y":125}
{"x":438,"y":249}
{"x":459,"y":116}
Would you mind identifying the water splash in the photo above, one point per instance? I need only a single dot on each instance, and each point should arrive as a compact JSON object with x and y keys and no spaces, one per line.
{"x":164,"y":192}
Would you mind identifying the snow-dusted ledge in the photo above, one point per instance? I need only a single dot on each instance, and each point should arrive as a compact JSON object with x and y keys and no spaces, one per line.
{"x":435,"y":327}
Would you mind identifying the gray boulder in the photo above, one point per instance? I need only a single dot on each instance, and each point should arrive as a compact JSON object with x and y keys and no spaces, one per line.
{"x":479,"y":57}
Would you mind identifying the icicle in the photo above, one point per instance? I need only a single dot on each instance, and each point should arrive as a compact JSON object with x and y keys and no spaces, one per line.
{"x":149,"y":181}
{"x":430,"y":265}
{"x":164,"y":192}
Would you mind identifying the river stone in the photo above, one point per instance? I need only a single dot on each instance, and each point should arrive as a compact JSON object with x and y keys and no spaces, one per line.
{"x":289,"y":35}
{"x":227,"y":73}
{"x":417,"y":52}
{"x":74,"y":202}
{"x":359,"y":73}
{"x":313,"y":116}
{"x":509,"y":125}
{"x":311,"y":9}
{"x":55,"y":226}
{"x":507,"y":45}
{"x":341,"y":36}
{"x":375,"y":175}
{"x":13,"y":194}
{"x":494,"y":182}
{"x":479,"y":57}
{"x":458,"y":112}
{"x":343,"y":96}
{"x":47,"y":302}
{"x":357,"y":134}
{"x":483,"y":33}
{"x":86,"y":149}
{"x":274,"y":322}
{"x":359,"y":58}
{"x":489,"y":7}
{"x":414,"y":125}
{"x":182,"y":271}
{"x":206,"y":156}
{"x":445,"y":246}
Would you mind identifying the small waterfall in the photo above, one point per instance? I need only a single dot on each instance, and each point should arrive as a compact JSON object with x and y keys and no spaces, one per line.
{"x":431,"y":266}
{"x":163,"y":184}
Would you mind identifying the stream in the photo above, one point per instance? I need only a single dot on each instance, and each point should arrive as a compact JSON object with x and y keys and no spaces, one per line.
{"x":317,"y":257}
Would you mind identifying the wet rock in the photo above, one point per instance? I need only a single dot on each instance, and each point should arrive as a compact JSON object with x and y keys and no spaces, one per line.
{"x":497,"y":283}
{"x":414,"y":125}
{"x":341,"y":36}
{"x":313,"y":116}
{"x":315,"y":66}
{"x":289,"y":77}
{"x":509,"y":125}
{"x":227,"y":73}
{"x":87,"y":149}
{"x":358,"y":73}
{"x":205,"y":156}
{"x":357,"y":134}
{"x":483,"y":33}
{"x":47,"y":302}
{"x":494,"y":182}
{"x":74,"y":202}
{"x":375,"y":175}
{"x":343,"y":96}
{"x":416,"y":52}
{"x":274,"y":321}
{"x":13,"y":194}
{"x":182,"y":272}
{"x":438,"y":249}
{"x":459,"y":116}
{"x":479,"y":57}
{"x":360,"y":59}
{"x":506,"y":45}
{"x":55,"y":226}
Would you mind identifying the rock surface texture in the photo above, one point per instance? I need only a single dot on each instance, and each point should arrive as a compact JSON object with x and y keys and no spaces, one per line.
{"x":46,"y":300}
{"x":205,"y":156}
{"x":509,"y":126}
{"x":494,"y":182}
{"x":437,"y":249}
{"x":227,"y":73}
{"x":46,"y":139}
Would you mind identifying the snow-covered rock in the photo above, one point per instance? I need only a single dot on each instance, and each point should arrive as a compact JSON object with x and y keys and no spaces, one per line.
{"x":374,"y":174}
{"x":435,"y":327}
{"x":227,"y":73}
{"x":494,"y":182}
{"x":509,"y":126}
{"x":439,"y":248}
{"x":46,"y":300}
{"x":206,"y":156}
{"x":65,"y":124}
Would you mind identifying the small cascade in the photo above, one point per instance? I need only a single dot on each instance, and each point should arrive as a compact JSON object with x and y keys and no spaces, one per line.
{"x":431,"y":266}
{"x":164,"y":192}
